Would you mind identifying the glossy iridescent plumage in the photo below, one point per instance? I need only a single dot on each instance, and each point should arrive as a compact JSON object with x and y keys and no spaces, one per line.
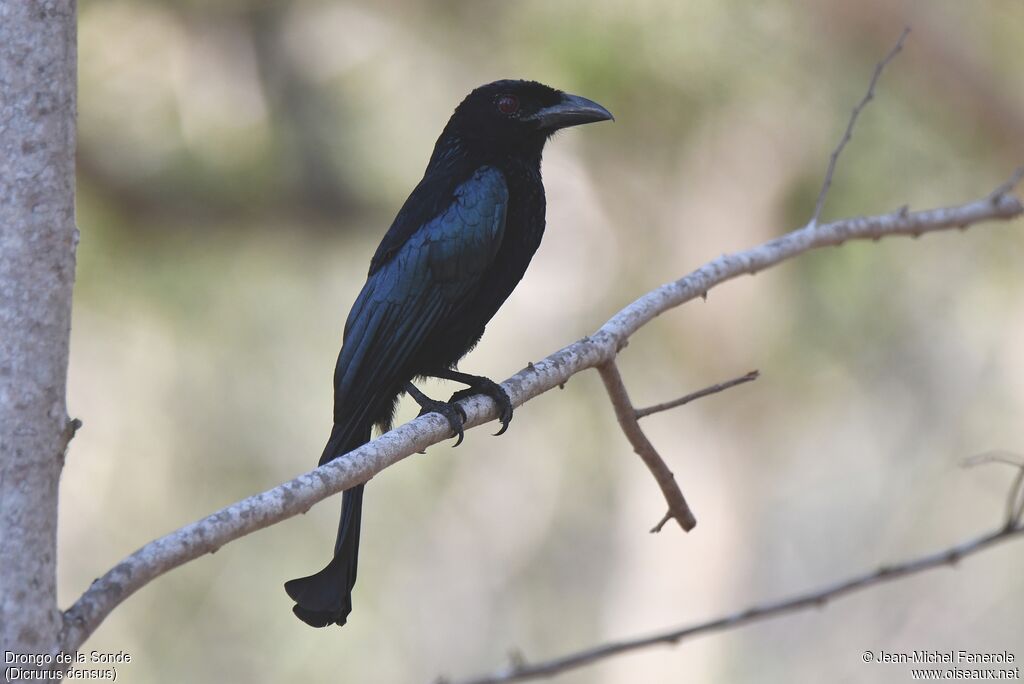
{"x":456,"y":250}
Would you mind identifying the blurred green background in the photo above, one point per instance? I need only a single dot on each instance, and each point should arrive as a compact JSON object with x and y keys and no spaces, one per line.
{"x":240,"y":160}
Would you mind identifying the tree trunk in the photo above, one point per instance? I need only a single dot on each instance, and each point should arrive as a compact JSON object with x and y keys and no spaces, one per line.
{"x":37,"y":267}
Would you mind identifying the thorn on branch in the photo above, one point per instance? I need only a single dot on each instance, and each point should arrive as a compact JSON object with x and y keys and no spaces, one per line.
{"x":71,"y":429}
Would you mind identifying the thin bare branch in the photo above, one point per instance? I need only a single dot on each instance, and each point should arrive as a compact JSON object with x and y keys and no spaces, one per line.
{"x":699,"y":394}
{"x":1015,"y":503}
{"x":298,"y":495}
{"x":1011,"y":183}
{"x":868,"y":96}
{"x":626,"y":415}
{"x":1006,"y":457}
{"x":519,"y":672}
{"x":1015,"y":499}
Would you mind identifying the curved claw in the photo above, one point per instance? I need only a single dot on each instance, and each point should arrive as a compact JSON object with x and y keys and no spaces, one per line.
{"x":452,"y":413}
{"x":496,"y":393}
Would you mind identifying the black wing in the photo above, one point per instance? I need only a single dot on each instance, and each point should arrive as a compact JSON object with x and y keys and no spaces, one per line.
{"x":409,"y":295}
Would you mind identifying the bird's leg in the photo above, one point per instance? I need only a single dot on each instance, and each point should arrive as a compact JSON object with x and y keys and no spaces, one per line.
{"x":481,"y":385}
{"x":452,"y":412}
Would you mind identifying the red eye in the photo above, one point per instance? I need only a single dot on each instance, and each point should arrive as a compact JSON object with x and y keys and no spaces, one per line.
{"x":508,"y":104}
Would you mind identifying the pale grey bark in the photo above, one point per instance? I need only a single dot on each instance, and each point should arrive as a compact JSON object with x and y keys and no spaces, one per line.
{"x":297,"y":496}
{"x":37,"y":244}
{"x":37,"y":264}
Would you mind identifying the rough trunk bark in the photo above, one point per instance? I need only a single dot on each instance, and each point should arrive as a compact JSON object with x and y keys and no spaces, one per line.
{"x":37,"y":265}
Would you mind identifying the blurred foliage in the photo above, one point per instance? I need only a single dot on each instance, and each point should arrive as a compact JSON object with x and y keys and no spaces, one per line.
{"x":238,"y":162}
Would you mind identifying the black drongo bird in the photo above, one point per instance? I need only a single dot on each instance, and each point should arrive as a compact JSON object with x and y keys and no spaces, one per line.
{"x":458,"y":247}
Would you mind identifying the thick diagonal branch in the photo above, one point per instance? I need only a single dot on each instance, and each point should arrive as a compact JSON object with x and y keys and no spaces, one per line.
{"x":298,"y":495}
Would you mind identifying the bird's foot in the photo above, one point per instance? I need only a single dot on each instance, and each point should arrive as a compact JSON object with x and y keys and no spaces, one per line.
{"x":455,"y":416}
{"x":493,"y":390}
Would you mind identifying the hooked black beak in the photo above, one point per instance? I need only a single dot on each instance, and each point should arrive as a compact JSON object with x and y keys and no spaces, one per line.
{"x":572,"y":110}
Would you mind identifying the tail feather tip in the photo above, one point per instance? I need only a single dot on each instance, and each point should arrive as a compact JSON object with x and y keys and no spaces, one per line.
{"x":320,"y":599}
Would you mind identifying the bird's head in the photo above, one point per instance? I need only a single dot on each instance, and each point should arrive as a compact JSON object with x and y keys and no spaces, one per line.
{"x":515,"y":112}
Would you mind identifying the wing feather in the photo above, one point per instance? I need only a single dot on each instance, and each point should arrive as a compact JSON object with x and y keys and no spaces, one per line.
{"x":416,"y":292}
